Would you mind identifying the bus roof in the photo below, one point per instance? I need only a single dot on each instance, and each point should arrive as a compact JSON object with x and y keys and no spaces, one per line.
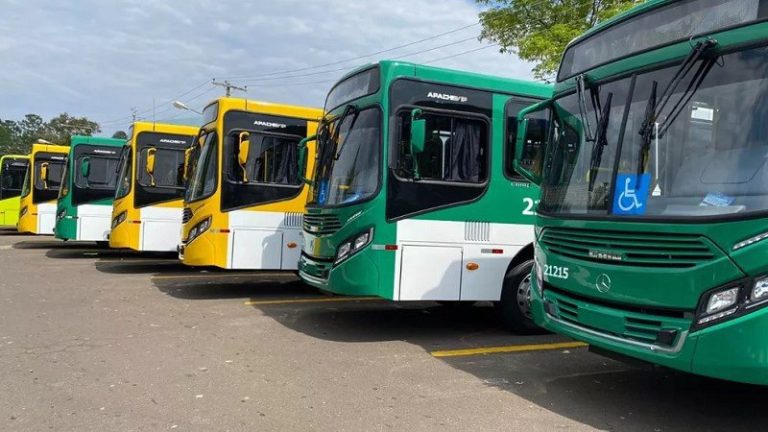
{"x":48,"y":147}
{"x":227,"y":103}
{"x":148,"y":126}
{"x":76,"y":140}
{"x":394,"y":68}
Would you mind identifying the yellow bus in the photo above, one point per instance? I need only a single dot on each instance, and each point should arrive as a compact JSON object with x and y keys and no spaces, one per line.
{"x":146,"y":213}
{"x":13,"y":168}
{"x":246,"y":191}
{"x":37,"y":209}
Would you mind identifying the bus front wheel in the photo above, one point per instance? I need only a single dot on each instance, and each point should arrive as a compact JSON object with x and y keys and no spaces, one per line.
{"x":514,"y":307}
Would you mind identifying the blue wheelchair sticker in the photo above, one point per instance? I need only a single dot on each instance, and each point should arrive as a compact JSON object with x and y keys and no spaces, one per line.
{"x":631,"y":196}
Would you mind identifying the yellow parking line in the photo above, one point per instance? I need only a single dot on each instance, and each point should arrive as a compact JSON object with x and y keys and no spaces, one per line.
{"x":224,"y":275}
{"x":309,"y":300}
{"x":507,"y":349}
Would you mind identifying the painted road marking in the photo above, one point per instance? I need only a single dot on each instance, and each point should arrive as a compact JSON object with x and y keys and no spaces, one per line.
{"x":226,"y":275}
{"x":310,"y":300}
{"x":507,"y":349}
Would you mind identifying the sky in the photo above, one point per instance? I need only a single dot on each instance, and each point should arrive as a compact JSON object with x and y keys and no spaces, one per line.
{"x":103,"y":58}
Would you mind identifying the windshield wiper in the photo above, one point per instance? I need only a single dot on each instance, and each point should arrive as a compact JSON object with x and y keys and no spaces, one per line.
{"x":600,"y":141}
{"x":581,"y":88}
{"x":650,"y":128}
{"x":350,"y":109}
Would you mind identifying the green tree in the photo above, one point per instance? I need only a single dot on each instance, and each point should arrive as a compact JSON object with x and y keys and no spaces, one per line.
{"x":18,"y":136}
{"x":539,"y":30}
{"x":120,"y":135}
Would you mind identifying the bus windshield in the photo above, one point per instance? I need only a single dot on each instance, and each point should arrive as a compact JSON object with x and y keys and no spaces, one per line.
{"x":124,"y":173}
{"x":347,"y":167}
{"x":12,"y":177}
{"x":703,"y":155}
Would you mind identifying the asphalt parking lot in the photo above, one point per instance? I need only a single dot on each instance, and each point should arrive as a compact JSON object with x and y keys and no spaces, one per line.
{"x":96,"y":339}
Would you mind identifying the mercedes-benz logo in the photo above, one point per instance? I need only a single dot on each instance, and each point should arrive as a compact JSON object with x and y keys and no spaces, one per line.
{"x":603,"y":283}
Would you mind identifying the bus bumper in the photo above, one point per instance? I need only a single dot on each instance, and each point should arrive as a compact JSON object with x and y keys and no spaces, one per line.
{"x":735,"y":350}
{"x":356,"y":276}
{"x":202,"y":252}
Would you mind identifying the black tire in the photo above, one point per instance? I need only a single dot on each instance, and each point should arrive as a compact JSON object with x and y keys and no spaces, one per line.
{"x":514,"y":307}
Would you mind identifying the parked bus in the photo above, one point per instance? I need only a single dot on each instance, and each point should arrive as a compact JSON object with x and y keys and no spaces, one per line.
{"x":146,"y":213}
{"x":37,"y":208}
{"x":12,"y":171}
{"x":84,"y":207}
{"x":652,"y":223}
{"x":246,"y":191}
{"x":413,"y":164}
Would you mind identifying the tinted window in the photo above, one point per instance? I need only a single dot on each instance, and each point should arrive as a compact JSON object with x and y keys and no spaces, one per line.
{"x":12,"y":177}
{"x":456,"y":149}
{"x":47,"y":180}
{"x":675,"y":22}
{"x":356,"y":86}
{"x":169,"y":168}
{"x":272,"y":158}
{"x":166,"y":183}
{"x":534,"y":140}
{"x":124,"y":172}
{"x":204,"y":169}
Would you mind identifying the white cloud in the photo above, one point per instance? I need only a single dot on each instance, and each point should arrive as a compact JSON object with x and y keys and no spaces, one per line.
{"x":99,"y":59}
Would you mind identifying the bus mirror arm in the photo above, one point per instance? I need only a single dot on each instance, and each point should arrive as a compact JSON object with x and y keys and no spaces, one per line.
{"x":418,"y":139}
{"x":244,"y":148}
{"x":302,"y":158}
{"x":85,"y":167}
{"x":521,"y":138}
{"x":150,"y":165}
{"x":44,"y":174}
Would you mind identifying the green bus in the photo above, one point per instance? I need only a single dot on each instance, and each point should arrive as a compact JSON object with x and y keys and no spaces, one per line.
{"x":84,"y":206}
{"x":651,"y":229}
{"x":13,"y":168}
{"x":412,"y":167}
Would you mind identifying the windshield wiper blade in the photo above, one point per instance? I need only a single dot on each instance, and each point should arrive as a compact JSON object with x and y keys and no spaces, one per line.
{"x":647,"y":128}
{"x":581,"y":88}
{"x":685,"y":68}
{"x":600,"y":141}
{"x":350,"y":109}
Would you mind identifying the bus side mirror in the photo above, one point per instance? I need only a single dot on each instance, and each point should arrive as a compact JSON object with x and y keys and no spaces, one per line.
{"x":243,"y":148}
{"x":150,"y":167}
{"x":525,"y":140}
{"x":44,"y":174}
{"x":85,"y":167}
{"x":302,"y":158}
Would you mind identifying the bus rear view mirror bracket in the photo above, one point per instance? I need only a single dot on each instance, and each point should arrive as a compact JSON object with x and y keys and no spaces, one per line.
{"x":523,"y":121}
{"x":417,"y":139}
{"x":44,"y":174}
{"x":150,"y":166}
{"x":243,"y":150}
{"x":85,"y":167}
{"x":302,"y":158}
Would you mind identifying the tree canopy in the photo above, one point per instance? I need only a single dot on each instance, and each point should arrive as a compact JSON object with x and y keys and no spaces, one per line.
{"x":539,"y":30}
{"x":18,"y":136}
{"x":120,"y":135}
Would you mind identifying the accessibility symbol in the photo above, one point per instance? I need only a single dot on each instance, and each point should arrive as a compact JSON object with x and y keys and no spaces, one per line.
{"x":631,"y":194}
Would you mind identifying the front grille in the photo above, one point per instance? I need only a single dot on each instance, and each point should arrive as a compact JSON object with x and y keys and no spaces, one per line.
{"x":628,"y":248}
{"x":321,"y":224}
{"x":640,"y":325}
{"x":187,"y":215}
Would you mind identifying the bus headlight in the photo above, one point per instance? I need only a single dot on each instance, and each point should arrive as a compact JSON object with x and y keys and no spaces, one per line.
{"x":539,"y":277}
{"x":119,"y":219}
{"x":198,"y":229}
{"x":353,"y":245}
{"x":759,"y":290}
{"x":23,"y":211}
{"x":719,"y":305}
